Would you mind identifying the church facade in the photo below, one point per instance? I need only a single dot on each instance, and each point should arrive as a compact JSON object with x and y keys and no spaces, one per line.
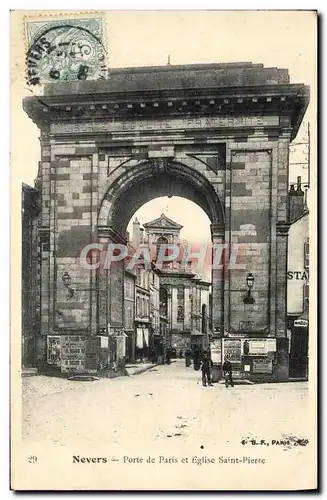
{"x":184,"y":295}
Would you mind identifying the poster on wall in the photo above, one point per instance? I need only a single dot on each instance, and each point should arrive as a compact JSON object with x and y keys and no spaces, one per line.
{"x":258,"y":347}
{"x":72,"y":353}
{"x":233,"y":350}
{"x":262,"y":365}
{"x":53,"y":350}
{"x":215,"y":349}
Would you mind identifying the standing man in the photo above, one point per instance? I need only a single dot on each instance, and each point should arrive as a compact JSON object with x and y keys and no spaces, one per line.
{"x":206,"y":365}
{"x":227,"y":370}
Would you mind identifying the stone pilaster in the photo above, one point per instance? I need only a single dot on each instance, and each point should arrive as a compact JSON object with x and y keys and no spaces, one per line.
{"x":94,"y":216}
{"x":187,"y":309}
{"x":218,"y":281}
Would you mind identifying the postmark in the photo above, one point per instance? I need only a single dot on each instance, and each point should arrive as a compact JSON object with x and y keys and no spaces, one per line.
{"x":65,"y":50}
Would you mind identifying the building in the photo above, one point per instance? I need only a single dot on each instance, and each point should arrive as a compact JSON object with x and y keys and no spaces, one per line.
{"x":30,"y":275}
{"x":298,"y":283}
{"x":142,"y":314}
{"x":157,"y":338}
{"x":184,"y":297}
{"x":129,"y":314}
{"x":217,"y":134}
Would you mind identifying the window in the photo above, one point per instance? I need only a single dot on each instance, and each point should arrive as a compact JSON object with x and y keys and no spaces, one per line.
{"x":180,"y":313}
{"x":306,"y":255}
{"x":161,"y":241}
{"x":138,"y":307}
{"x":128,"y":318}
{"x":138,"y":276}
{"x":129,"y":289}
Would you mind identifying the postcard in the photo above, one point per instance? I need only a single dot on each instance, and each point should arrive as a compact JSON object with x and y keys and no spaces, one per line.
{"x":163,"y":271}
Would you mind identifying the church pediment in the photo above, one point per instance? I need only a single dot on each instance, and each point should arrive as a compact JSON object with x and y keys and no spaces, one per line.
{"x":163,"y":222}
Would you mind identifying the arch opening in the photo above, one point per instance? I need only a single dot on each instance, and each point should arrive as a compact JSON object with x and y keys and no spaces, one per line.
{"x":136,"y":186}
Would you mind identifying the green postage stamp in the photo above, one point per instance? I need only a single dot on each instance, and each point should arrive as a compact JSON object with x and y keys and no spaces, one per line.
{"x":65,"y":50}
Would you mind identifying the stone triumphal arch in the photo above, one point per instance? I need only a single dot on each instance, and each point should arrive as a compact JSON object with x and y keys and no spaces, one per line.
{"x":217,"y":134}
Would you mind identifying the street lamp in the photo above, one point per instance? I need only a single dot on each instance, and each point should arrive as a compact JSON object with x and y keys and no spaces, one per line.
{"x":249,"y":282}
{"x":67,"y":281}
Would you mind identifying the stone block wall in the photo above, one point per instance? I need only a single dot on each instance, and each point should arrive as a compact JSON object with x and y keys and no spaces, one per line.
{"x":250,"y":227}
{"x":73,"y":231}
{"x":249,"y":175}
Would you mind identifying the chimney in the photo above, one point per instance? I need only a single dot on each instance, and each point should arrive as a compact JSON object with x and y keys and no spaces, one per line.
{"x":136,"y":233}
{"x":295,"y":201}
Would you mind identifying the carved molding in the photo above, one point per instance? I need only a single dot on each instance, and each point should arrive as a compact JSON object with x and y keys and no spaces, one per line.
{"x":160,"y":165}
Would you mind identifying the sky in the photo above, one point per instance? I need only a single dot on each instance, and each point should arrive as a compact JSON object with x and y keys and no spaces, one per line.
{"x":146,"y":38}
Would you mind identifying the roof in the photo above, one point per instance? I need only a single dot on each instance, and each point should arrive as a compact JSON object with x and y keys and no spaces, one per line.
{"x":163,"y":222}
{"x":175,"y":77}
{"x":169,"y":91}
{"x":306,"y":212}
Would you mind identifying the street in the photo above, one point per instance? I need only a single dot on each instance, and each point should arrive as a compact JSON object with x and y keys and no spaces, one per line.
{"x":165,"y":413}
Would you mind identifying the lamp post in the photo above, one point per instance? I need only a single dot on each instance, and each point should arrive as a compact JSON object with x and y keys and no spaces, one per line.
{"x":66,"y":279}
{"x":67,"y":282}
{"x":249,"y":282}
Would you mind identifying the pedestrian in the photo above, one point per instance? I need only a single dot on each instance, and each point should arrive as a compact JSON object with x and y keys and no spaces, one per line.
{"x":181,"y":354}
{"x":188,"y":356}
{"x":228,"y":374}
{"x":197,"y":362}
{"x":206,"y":365}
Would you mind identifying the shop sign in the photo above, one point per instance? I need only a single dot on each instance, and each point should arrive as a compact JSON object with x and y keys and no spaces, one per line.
{"x":262,"y":365}
{"x":301,"y":322}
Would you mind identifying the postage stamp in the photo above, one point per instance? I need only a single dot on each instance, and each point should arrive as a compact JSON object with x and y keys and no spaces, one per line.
{"x":65,"y":50}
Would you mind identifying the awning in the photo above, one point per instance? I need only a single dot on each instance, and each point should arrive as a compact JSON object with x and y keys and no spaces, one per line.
{"x":139,"y":338}
{"x":197,"y":333}
{"x":146,"y":337}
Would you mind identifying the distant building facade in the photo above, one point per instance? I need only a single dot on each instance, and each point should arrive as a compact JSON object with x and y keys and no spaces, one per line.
{"x":298,"y":283}
{"x":183,"y":297}
{"x":129,"y":314}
